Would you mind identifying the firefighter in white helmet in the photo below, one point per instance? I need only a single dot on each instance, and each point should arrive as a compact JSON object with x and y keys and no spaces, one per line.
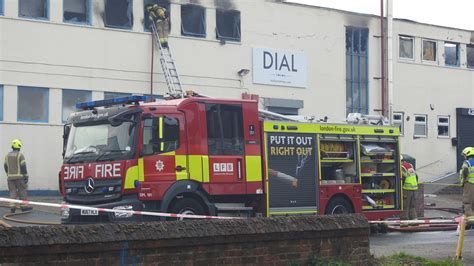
{"x":17,"y":175}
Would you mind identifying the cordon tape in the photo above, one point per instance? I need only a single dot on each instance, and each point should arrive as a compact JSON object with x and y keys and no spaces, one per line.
{"x":78,"y":207}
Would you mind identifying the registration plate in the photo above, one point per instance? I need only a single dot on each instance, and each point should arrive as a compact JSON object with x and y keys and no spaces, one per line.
{"x":89,"y":212}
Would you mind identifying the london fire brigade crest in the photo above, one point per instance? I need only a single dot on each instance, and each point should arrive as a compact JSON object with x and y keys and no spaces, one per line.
{"x":159,"y":165}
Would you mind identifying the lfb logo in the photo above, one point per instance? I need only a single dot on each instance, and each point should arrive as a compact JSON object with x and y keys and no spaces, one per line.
{"x":223,"y":167}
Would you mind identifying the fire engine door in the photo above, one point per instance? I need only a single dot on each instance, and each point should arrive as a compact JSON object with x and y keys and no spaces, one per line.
{"x":164,"y":149}
{"x":225,"y":142}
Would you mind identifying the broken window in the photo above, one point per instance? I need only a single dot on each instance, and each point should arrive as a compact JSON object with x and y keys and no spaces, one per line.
{"x":470,"y":55}
{"x":33,"y":104}
{"x":119,"y":14}
{"x":76,"y":11}
{"x":162,"y":3}
{"x":451,"y":54}
{"x":33,"y":9}
{"x":429,"y":50}
{"x":70,"y":98}
{"x":405,"y":48}
{"x":228,"y":25}
{"x":193,"y":21}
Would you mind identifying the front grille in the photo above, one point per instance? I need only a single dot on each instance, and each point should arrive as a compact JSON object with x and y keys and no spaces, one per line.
{"x":75,"y":192}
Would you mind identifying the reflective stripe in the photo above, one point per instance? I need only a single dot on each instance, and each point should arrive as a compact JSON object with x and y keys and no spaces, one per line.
{"x":181,"y":161}
{"x":253,"y":168}
{"x":205,"y":169}
{"x":470,"y":165}
{"x":131,"y":176}
{"x":410,"y":178}
{"x":195,"y":167}
{"x":141,"y":170}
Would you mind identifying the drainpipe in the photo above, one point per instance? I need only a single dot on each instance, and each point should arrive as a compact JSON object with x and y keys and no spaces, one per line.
{"x":382,"y":59}
{"x":390,"y":59}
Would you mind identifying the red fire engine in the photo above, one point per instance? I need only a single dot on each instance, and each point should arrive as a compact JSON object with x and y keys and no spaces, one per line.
{"x":210,"y":156}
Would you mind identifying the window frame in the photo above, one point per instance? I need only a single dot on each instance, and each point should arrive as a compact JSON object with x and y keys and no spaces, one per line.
{"x":47,"y":7}
{"x":89,"y":94}
{"x":1,"y":101}
{"x":402,"y":122}
{"x":412,"y":47}
{"x":448,"y":124}
{"x":458,"y":54}
{"x":129,"y":11}
{"x":88,"y":15}
{"x":46,"y":101}
{"x":191,"y":34}
{"x":435,"y":61}
{"x":415,"y":123}
{"x":239,"y":29}
{"x":467,"y":55}
{"x":214,"y":129}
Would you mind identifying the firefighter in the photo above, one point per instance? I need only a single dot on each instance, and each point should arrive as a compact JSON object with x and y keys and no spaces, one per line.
{"x":158,"y":15}
{"x":466,"y":176}
{"x":410,"y":186}
{"x":15,"y":168}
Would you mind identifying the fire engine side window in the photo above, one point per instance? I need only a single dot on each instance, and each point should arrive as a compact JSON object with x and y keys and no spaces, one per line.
{"x":224,"y":129}
{"x":152,"y":143}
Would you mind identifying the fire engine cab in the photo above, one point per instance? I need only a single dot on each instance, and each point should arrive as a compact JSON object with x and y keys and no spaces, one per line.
{"x":200,"y":155}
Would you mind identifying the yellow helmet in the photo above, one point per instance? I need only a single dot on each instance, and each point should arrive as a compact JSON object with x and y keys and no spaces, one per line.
{"x":16,"y":144}
{"x":468,"y":151}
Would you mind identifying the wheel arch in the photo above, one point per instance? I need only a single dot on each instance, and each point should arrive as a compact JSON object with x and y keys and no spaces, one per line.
{"x":187,"y":188}
{"x":340,"y":196}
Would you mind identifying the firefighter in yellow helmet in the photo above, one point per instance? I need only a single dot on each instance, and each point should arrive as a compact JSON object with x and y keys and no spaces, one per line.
{"x":17,"y":175}
{"x":466,"y":176}
{"x":158,"y":15}
{"x":410,"y":186}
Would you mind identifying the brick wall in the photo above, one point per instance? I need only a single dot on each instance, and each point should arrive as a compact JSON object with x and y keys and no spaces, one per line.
{"x":278,"y":240}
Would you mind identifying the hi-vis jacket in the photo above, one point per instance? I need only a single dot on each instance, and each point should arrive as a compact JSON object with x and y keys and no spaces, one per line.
{"x":467,"y":171}
{"x":15,"y":165}
{"x":409,"y":174}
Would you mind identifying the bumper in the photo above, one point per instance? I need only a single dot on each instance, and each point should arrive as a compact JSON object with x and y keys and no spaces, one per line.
{"x":74,"y":216}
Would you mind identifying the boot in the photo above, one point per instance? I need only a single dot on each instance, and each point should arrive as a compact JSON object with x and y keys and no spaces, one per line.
{"x":25,"y":209}
{"x":12,"y":210}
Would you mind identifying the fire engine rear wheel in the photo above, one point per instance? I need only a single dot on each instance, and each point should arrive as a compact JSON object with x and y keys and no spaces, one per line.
{"x":339,"y":205}
{"x":187,"y":206}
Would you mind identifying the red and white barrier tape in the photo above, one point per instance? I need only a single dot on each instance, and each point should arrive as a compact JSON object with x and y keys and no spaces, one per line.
{"x":159,"y":214}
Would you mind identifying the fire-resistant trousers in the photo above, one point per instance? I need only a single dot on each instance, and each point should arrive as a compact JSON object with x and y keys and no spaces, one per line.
{"x":17,"y":188}
{"x":163,"y":28}
{"x":468,"y":199}
{"x":409,"y":205}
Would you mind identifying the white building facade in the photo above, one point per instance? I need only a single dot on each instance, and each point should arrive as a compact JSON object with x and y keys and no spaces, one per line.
{"x":299,"y":59}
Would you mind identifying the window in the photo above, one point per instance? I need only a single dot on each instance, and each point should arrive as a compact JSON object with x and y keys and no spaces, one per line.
{"x":470,"y":55}
{"x":451,"y":54}
{"x":152,"y":143}
{"x":77,"y":11}
{"x":224,"y":129}
{"x":119,"y":14}
{"x":443,"y":126}
{"x":429,"y":50}
{"x":357,"y":97}
{"x":70,"y":98}
{"x":406,"y":47}
{"x":193,"y":21}
{"x":110,"y":95}
{"x":420,"y":126}
{"x":33,"y":9}
{"x":1,"y":7}
{"x":33,"y":104}
{"x":398,"y":121}
{"x":1,"y":103}
{"x":163,"y":3}
{"x":228,"y":25}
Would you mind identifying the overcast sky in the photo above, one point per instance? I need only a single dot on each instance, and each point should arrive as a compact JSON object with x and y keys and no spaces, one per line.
{"x":450,"y":13}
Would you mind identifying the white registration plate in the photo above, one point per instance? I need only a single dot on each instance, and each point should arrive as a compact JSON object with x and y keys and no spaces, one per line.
{"x":89,"y":212}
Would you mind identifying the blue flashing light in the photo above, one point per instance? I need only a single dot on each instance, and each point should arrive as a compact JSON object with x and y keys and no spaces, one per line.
{"x":136,"y":183}
{"x":113,"y":101}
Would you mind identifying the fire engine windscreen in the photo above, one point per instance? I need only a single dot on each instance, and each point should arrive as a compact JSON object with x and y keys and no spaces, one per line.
{"x":102,"y":141}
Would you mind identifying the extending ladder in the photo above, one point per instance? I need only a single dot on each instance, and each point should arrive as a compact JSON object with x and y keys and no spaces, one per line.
{"x":170,"y":72}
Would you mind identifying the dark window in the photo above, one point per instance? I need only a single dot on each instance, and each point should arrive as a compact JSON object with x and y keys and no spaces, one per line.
{"x":470,"y":56}
{"x":76,"y":11}
{"x":193,"y":21}
{"x":224,"y":129}
{"x":451,"y":54}
{"x":163,"y":3}
{"x":119,"y":14}
{"x":152,"y":143}
{"x":33,"y":9}
{"x":356,"y":70}
{"x":228,"y":25}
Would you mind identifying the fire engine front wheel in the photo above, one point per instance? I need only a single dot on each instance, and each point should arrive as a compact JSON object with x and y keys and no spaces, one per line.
{"x":187,"y":206}
{"x":339,"y":205}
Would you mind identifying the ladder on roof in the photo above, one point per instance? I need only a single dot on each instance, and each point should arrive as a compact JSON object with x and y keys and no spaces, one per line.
{"x":170,"y":72}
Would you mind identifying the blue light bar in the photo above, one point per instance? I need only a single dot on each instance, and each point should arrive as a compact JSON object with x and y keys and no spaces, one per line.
{"x":113,"y":101}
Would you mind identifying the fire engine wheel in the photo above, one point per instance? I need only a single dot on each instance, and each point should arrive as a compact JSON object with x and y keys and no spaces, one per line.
{"x":339,"y":205}
{"x":187,"y":206}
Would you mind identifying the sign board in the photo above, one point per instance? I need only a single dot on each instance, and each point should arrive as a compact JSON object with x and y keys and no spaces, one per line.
{"x":278,"y":67}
